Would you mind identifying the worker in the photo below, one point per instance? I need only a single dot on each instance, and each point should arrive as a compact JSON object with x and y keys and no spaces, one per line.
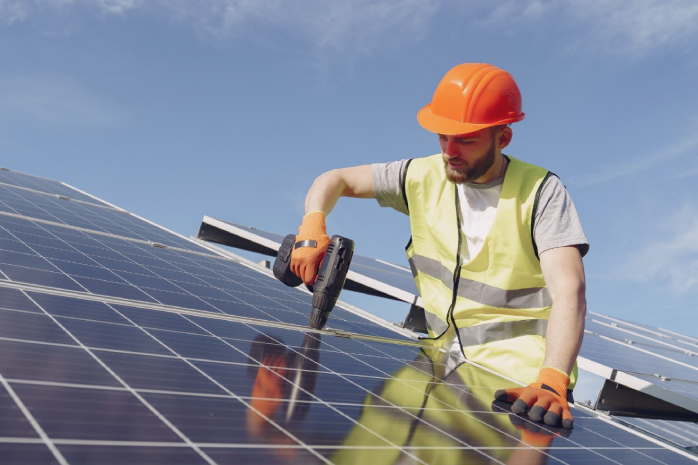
{"x":496,"y":247}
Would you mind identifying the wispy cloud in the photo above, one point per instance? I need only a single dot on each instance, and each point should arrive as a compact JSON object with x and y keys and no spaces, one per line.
{"x":635,"y":27}
{"x":12,"y":11}
{"x":57,"y":101}
{"x":357,"y":25}
{"x":687,"y":147}
{"x":639,"y":26}
{"x":672,"y":259}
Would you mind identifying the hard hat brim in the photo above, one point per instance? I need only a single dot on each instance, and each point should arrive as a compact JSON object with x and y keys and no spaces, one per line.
{"x":440,"y":125}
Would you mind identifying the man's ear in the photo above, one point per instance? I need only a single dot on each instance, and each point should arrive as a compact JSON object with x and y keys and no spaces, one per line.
{"x":504,"y":138}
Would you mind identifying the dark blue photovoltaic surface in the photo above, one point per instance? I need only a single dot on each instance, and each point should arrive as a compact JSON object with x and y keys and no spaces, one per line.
{"x":77,"y":261}
{"x":87,"y":377}
{"x":201,"y":379}
{"x":44,"y":185}
{"x":83,"y":215}
{"x":201,"y":376}
{"x":643,"y":358}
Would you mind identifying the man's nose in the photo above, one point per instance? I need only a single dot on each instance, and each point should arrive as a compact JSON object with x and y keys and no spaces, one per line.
{"x":451,"y":151}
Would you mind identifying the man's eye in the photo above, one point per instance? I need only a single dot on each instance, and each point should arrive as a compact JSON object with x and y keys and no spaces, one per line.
{"x":464,"y":141}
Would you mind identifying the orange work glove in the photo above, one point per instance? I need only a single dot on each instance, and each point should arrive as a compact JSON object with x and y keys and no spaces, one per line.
{"x":546,"y":399}
{"x":311,"y":244}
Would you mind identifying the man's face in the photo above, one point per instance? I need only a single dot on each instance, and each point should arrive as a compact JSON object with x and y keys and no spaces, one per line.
{"x":467,"y":157}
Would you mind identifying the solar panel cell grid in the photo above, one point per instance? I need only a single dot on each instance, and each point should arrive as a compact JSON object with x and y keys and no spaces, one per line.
{"x":43,"y":185}
{"x":196,"y":364}
{"x":81,"y":215}
{"x":675,"y":348}
{"x":123,"y":269}
{"x":108,"y":381}
{"x":621,"y":357}
{"x":682,"y":433}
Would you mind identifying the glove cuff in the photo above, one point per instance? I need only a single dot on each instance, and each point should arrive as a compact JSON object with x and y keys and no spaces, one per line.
{"x":554,"y":379}
{"x":313,"y":225}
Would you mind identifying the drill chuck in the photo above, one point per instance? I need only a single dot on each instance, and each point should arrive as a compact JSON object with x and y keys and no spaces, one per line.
{"x":318,"y":318}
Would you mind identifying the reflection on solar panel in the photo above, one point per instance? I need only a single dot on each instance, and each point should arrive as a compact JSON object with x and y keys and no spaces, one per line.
{"x":113,"y":350}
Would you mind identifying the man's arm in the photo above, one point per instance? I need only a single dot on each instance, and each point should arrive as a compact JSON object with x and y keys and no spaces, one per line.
{"x":312,"y":239}
{"x":545,"y":399}
{"x":345,"y":182}
{"x":563,"y":271}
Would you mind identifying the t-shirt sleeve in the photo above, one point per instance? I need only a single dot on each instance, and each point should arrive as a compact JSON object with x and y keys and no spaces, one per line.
{"x":556,"y":221}
{"x":387,"y":183}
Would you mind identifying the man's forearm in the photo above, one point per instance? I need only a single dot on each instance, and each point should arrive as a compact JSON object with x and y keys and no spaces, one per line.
{"x":564,"y":274}
{"x":565,"y":331}
{"x":324,"y":193}
{"x":330,"y":186}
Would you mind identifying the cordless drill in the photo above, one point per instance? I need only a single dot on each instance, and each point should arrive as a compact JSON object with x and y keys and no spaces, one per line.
{"x":330,"y":277}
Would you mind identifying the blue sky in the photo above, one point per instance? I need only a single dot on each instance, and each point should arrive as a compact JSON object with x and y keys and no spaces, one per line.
{"x":174,"y":109}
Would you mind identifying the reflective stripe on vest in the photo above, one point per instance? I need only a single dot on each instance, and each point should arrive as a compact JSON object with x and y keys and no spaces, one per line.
{"x":491,"y":332}
{"x":434,"y":323}
{"x":535,"y":297}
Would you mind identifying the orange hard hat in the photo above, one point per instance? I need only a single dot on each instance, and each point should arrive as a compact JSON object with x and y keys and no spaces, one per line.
{"x":472,"y":96}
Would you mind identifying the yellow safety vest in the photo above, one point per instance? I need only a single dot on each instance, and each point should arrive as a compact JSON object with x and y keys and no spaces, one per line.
{"x":497,"y":303}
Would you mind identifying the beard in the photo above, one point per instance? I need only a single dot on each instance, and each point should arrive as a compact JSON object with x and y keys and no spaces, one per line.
{"x":474,"y":172}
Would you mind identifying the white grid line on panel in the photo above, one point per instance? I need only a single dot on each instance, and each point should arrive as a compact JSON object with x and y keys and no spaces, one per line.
{"x":104,"y":233}
{"x":656,"y":341}
{"x":504,"y":433}
{"x":641,"y":433}
{"x":192,"y":312}
{"x":32,"y":421}
{"x":108,"y":234}
{"x":669,"y":431}
{"x":129,"y":388}
{"x":340,"y":303}
{"x":81,"y":214}
{"x":338,"y":351}
{"x":654,"y":330}
{"x":172,"y":266}
{"x":311,"y":394}
{"x":232,"y":394}
{"x":220,"y":255}
{"x":388,"y":402}
{"x":60,"y":196}
{"x":648,"y":352}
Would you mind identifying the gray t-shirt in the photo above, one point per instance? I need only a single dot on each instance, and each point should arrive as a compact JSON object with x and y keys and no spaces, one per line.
{"x":556,"y":221}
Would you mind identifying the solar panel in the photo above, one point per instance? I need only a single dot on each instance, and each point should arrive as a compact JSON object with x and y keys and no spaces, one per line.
{"x":660,"y":366}
{"x":682,"y":433}
{"x":43,"y":185}
{"x":115,"y":351}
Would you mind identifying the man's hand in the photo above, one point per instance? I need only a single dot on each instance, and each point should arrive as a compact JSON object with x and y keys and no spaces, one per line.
{"x":546,"y":399}
{"x":311,"y":244}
